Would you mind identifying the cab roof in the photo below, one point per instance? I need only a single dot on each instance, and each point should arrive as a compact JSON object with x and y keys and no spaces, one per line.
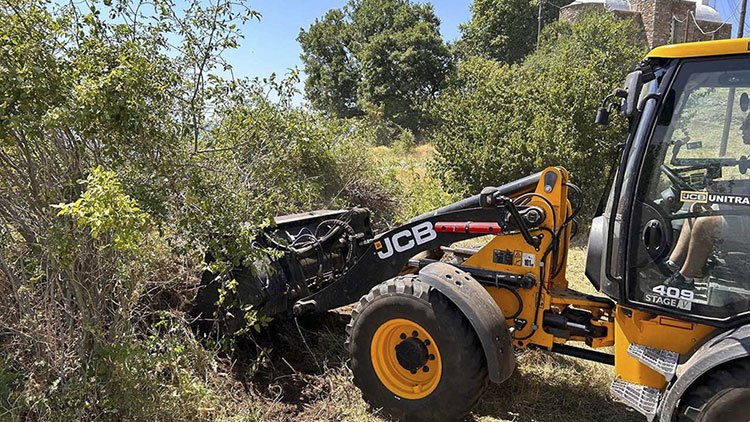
{"x":702,"y":49}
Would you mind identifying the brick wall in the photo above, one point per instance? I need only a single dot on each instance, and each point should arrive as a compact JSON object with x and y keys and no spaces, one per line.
{"x":641,"y":37}
{"x":676,"y":24}
{"x":646,"y":10}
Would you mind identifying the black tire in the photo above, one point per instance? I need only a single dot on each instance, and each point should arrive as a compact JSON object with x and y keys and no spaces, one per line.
{"x":464,"y":368}
{"x":722,"y":395}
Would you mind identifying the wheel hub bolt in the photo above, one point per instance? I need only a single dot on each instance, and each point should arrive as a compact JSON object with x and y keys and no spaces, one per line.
{"x":427,"y":342}
{"x":426,"y":369}
{"x":431,"y":357}
{"x":403,"y":336}
{"x":414,"y":333}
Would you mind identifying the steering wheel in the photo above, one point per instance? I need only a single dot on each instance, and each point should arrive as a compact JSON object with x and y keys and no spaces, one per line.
{"x":677,"y":180}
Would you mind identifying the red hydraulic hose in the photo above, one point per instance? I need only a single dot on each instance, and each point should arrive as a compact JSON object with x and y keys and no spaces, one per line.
{"x":467,"y":227}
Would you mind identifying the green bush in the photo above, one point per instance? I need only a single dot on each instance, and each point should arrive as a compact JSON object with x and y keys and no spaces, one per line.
{"x":405,"y":142}
{"x":294,"y":158}
{"x":124,"y":160}
{"x":422,"y":193}
{"x":501,"y":122}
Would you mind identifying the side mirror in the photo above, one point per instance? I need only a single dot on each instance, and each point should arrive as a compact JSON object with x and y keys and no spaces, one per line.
{"x":633,"y":83}
{"x":602,"y":115}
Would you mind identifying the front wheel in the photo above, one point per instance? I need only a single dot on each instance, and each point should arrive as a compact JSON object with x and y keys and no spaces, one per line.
{"x":414,"y":354}
{"x":721,"y":395}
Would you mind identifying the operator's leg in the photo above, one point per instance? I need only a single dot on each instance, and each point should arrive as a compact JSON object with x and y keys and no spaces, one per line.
{"x":680,"y":251}
{"x":700,"y":244}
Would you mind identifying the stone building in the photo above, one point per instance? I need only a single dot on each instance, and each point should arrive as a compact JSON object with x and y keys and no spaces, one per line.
{"x":662,"y":21}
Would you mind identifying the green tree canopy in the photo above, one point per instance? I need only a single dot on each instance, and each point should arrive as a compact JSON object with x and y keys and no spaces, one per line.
{"x":333,"y":73}
{"x":500,"y":122}
{"x":504,"y":30}
{"x":386,"y":53}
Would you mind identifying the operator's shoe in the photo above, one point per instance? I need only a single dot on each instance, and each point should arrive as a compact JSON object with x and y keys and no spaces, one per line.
{"x":668,"y":268}
{"x":680,"y":281}
{"x":673,"y":268}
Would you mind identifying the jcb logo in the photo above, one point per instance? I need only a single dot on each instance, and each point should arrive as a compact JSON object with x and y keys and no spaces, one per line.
{"x":405,"y":240}
{"x":692,"y":196}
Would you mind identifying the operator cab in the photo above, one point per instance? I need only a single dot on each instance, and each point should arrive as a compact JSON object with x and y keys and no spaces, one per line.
{"x":674,"y":236}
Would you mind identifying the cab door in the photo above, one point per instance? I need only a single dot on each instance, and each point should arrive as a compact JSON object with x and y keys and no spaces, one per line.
{"x":688,"y":232}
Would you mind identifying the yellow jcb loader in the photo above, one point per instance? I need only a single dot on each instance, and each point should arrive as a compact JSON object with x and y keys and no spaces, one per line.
{"x":669,"y":251}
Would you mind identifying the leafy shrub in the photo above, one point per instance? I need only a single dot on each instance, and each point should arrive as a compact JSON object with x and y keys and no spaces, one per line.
{"x":416,"y":189}
{"x":422,"y":193}
{"x":405,"y":142}
{"x":501,"y":122}
{"x":172,"y":157}
{"x":105,"y":211}
{"x":296,"y":159}
{"x":377,"y":127}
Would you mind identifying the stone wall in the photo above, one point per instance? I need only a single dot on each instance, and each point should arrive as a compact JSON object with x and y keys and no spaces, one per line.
{"x":677,"y":23}
{"x":641,"y":37}
{"x":713,"y":31}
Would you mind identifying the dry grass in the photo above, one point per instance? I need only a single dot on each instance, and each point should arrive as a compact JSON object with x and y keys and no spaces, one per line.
{"x":409,"y":166}
{"x":416,"y":156}
{"x":420,"y":189}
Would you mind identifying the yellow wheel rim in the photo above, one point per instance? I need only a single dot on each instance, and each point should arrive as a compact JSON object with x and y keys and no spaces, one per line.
{"x":406,"y":359}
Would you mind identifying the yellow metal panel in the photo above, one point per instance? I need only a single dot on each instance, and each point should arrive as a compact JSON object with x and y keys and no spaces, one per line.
{"x":636,"y":327}
{"x":702,"y":49}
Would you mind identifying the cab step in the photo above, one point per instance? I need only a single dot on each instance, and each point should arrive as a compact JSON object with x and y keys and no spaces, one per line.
{"x":661,"y":361}
{"x":641,"y":398}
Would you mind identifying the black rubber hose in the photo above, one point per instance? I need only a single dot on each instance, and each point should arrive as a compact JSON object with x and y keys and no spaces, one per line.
{"x":518,"y":298}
